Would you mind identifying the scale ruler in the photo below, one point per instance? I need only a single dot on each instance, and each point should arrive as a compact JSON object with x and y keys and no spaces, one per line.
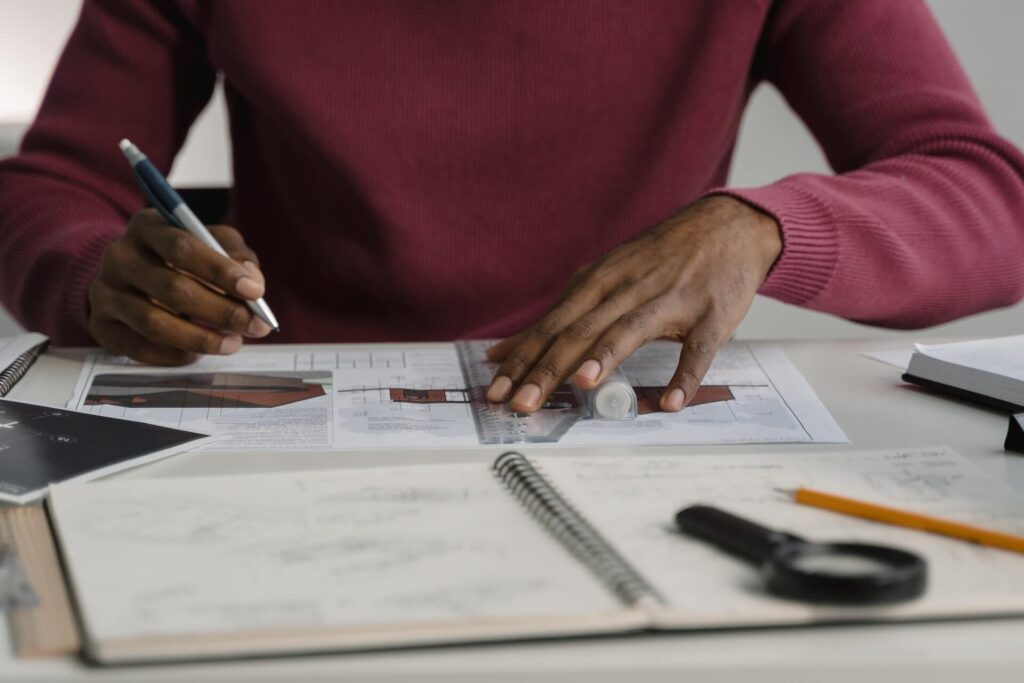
{"x":496,"y":423}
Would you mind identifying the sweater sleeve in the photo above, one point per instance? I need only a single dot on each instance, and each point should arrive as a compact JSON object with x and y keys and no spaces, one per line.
{"x":924,"y":220}
{"x":130,"y":69}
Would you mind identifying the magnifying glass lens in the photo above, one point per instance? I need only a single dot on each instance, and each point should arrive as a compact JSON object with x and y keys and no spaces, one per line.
{"x":845,"y":573}
{"x":839,"y":564}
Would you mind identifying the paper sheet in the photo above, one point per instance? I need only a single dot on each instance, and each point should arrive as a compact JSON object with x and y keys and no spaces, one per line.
{"x":389,"y":397}
{"x":897,"y":359}
{"x":312,"y":550}
{"x":12,"y":348}
{"x":771,"y":402}
{"x":253,"y":400}
{"x":633,"y":500}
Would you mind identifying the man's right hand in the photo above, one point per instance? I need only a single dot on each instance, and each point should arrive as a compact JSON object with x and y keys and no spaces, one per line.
{"x":162,"y":296}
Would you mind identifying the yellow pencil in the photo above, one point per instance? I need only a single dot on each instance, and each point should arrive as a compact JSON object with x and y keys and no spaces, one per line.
{"x":912,"y":520}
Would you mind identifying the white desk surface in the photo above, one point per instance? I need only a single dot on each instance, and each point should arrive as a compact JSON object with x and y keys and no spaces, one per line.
{"x":871,"y":404}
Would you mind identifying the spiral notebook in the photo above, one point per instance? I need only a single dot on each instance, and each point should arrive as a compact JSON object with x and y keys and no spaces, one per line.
{"x":536,"y":547}
{"x":17,"y":354}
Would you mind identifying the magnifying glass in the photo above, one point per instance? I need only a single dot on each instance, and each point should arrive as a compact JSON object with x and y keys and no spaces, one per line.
{"x":851,"y":573}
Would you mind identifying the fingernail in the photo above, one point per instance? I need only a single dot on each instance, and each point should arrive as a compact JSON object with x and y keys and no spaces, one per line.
{"x":590,"y":370}
{"x":248,"y":288}
{"x":257,"y":328}
{"x":231,"y":344}
{"x":674,"y":400}
{"x":255,"y":270}
{"x":527,"y":397}
{"x":498,"y":393}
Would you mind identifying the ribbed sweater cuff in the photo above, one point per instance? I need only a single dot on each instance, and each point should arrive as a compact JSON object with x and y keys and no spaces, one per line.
{"x":83,"y":270}
{"x":810,"y":240}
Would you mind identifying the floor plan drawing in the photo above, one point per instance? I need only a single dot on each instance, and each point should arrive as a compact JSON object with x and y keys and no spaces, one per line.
{"x":422,"y":396}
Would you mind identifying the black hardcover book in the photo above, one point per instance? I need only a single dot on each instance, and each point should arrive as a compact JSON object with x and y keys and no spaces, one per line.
{"x":1015,"y":436}
{"x":989,"y":371}
{"x":40,"y":445}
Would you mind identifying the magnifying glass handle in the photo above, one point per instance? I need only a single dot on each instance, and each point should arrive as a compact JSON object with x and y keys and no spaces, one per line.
{"x":742,"y":538}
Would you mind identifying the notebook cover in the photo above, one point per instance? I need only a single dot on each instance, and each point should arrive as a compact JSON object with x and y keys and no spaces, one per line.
{"x":40,"y":445}
{"x":1015,"y":435}
{"x":963,"y":393}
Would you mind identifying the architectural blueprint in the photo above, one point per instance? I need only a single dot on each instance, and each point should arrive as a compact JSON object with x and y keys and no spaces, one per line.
{"x":392,"y":396}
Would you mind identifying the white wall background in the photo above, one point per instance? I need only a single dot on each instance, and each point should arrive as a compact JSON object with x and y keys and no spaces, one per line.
{"x":773,"y":143}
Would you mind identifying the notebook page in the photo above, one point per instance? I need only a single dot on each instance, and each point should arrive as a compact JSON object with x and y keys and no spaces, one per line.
{"x":312,"y":550}
{"x":633,"y":501}
{"x":1003,"y":356}
{"x":11,"y":348}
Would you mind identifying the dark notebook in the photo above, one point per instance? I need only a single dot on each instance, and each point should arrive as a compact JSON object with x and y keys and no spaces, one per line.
{"x":40,"y":445}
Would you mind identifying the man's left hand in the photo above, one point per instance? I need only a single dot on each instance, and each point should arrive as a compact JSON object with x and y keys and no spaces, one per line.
{"x":691,"y":279}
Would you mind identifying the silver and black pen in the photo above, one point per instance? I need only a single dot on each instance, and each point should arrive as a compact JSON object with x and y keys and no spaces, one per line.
{"x":175,"y":211}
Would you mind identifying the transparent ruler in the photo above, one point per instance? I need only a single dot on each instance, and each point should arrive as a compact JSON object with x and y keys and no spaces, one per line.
{"x":496,"y":423}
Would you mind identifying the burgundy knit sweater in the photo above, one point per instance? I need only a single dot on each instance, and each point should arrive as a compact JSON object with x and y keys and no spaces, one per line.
{"x":437,"y":169}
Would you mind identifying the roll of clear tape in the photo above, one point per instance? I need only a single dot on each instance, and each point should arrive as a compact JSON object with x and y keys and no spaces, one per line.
{"x":612,"y":399}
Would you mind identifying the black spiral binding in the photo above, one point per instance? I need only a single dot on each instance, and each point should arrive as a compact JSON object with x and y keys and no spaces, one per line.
{"x":567,"y":525}
{"x":16,"y":370}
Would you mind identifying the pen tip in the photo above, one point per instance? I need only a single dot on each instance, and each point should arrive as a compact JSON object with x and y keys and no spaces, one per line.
{"x":125,"y":144}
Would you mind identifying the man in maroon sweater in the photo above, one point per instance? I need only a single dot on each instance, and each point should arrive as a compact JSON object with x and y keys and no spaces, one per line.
{"x":431,"y":170}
